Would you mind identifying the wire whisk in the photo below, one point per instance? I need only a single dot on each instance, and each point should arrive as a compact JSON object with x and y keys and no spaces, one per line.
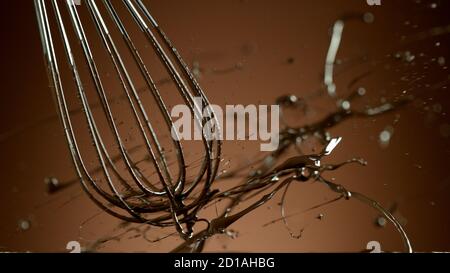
{"x":124,"y":190}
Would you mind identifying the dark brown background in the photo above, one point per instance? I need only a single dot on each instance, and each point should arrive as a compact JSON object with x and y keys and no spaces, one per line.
{"x":261,"y":36}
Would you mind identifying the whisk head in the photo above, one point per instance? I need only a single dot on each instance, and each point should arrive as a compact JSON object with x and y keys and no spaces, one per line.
{"x":106,"y":64}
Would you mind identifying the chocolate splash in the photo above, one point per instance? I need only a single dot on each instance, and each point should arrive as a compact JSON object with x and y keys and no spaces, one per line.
{"x":272,"y":176}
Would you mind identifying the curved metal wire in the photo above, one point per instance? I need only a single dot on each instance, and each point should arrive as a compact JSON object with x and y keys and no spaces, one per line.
{"x":171,"y":207}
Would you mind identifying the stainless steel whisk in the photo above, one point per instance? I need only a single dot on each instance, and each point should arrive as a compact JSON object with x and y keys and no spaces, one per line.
{"x":131,"y":196}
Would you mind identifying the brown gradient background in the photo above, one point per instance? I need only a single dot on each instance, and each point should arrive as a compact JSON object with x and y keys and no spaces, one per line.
{"x":261,"y":36}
